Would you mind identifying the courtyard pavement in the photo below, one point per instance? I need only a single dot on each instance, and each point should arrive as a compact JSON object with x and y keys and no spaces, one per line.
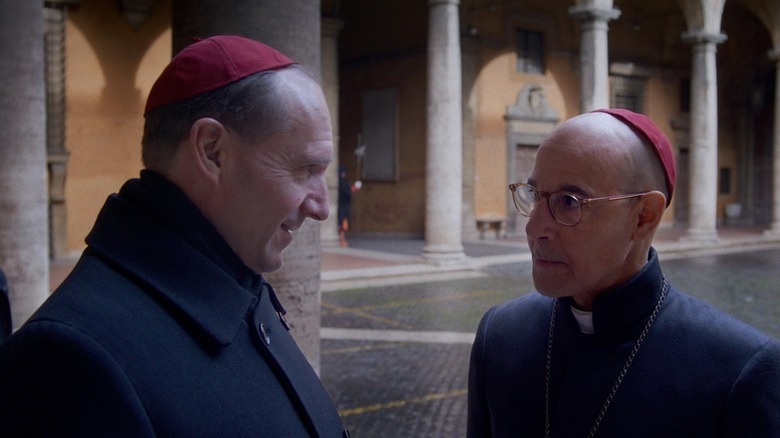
{"x":397,"y":332}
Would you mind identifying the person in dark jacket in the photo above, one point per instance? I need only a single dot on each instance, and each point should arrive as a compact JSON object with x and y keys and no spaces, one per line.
{"x":606,"y":346}
{"x":5,"y":309}
{"x":344,"y":205}
{"x":166,"y":326}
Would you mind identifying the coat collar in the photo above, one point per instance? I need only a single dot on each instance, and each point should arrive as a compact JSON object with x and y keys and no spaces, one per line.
{"x":624,"y":310}
{"x":153,"y":231}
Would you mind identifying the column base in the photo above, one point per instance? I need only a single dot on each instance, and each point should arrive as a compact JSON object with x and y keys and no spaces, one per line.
{"x":773,"y":232}
{"x":444,"y":254}
{"x":701,"y":236}
{"x":331,"y":242}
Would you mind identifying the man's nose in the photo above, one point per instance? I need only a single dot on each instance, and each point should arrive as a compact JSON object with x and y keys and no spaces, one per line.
{"x":316,"y":205}
{"x":541,"y":221}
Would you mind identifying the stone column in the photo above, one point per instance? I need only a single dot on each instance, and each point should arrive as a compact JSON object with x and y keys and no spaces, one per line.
{"x":703,"y":152}
{"x":470,"y":61}
{"x":292,"y":27}
{"x":443,"y":169}
{"x":55,"y":16}
{"x":329,"y":233}
{"x":24,"y":243}
{"x":774,"y":230}
{"x":594,"y":55}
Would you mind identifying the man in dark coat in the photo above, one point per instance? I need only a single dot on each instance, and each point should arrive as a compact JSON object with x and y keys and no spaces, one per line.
{"x":607,"y":346}
{"x":166,"y":326}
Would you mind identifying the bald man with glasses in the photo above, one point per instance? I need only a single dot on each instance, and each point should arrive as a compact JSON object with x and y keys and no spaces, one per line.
{"x":606,"y":346}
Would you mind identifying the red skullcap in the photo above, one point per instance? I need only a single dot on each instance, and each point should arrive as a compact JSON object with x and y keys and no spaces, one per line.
{"x":209,"y":64}
{"x":642,"y":124}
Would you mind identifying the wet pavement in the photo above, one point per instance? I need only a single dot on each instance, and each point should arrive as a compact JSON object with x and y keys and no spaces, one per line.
{"x":395,"y":350}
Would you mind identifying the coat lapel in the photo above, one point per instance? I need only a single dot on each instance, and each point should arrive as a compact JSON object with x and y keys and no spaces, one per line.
{"x":305,"y":388}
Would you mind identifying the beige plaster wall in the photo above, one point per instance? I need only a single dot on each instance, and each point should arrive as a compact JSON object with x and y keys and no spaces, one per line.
{"x":662,"y":105}
{"x":110,"y":68}
{"x":498,"y":85}
{"x":496,"y":89}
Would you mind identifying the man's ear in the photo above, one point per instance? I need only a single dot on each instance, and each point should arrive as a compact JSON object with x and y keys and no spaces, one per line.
{"x":206,"y":143}
{"x":650,"y":211}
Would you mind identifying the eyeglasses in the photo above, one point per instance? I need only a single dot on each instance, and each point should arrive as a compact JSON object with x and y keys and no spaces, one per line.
{"x":566,"y":208}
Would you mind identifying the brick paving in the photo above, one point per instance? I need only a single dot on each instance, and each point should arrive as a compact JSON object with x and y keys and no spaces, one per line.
{"x":398,"y":389}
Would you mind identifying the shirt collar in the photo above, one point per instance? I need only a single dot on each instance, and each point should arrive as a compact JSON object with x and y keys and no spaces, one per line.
{"x":625,"y":309}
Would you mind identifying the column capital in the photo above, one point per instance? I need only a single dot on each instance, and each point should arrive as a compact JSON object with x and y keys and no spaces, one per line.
{"x":701,"y":37}
{"x":773,"y":55}
{"x":593,"y":13}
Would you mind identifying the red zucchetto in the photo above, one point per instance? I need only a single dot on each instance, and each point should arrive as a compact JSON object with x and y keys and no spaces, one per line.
{"x":209,"y":64}
{"x":645,"y":127}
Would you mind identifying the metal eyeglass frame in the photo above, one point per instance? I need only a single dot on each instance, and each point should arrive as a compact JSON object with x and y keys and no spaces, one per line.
{"x":578,"y":200}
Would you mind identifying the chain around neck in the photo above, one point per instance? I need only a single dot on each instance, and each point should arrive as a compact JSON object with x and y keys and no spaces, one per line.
{"x":621,"y":375}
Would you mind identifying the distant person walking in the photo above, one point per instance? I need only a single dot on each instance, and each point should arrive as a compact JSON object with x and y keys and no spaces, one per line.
{"x":345,"y":203}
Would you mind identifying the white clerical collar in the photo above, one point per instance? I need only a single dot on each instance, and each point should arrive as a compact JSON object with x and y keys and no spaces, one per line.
{"x":584,"y":319}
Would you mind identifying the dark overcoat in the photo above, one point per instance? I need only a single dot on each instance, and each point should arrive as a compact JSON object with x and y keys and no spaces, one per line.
{"x":698,"y":373}
{"x":5,"y":309}
{"x":160,"y":330}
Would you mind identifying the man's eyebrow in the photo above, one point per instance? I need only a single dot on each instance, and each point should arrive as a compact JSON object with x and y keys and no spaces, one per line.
{"x":309,"y":159}
{"x":320,"y":161}
{"x":569,"y":188}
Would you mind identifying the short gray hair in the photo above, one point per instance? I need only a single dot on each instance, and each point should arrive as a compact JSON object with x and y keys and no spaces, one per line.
{"x":252,"y":107}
